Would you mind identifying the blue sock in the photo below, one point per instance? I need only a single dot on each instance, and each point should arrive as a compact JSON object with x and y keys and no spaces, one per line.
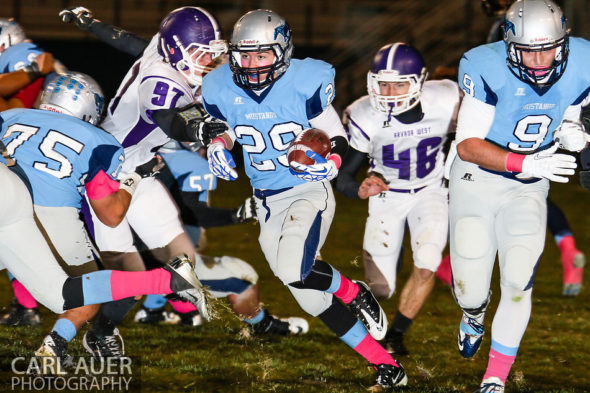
{"x":154,"y":302}
{"x":254,"y":320}
{"x":65,"y":328}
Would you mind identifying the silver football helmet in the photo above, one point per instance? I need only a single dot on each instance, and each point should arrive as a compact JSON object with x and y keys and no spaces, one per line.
{"x":75,"y":94}
{"x":259,"y":31}
{"x":11,"y":33}
{"x":534,"y":26}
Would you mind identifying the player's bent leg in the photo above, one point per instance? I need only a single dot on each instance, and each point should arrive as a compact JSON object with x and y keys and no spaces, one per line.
{"x":376,"y":279}
{"x":350,"y":330}
{"x":382,"y":243}
{"x":107,"y":285}
{"x":472,"y":258}
{"x":412,"y":298}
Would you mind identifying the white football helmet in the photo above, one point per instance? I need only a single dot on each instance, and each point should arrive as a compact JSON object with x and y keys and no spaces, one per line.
{"x":534,"y":26}
{"x":75,"y":94}
{"x":259,"y":31}
{"x":11,"y":33}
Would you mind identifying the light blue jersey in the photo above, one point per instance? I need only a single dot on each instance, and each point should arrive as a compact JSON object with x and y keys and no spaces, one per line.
{"x":191,"y":171}
{"x":58,"y":153}
{"x":18,"y":56}
{"x":525,"y":117}
{"x":265,"y":124}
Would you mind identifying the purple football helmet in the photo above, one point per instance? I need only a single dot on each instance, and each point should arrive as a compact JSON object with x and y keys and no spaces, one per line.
{"x":186,"y":35}
{"x":398,"y":63}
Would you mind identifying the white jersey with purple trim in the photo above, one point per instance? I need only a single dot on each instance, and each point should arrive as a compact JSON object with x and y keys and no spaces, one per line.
{"x":410,"y":155}
{"x":149,"y":85}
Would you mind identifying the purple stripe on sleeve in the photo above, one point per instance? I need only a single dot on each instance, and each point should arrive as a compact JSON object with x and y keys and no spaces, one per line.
{"x":359,"y":128}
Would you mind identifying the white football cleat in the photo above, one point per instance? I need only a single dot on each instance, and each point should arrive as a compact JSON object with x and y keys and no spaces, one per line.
{"x":366,"y":308}
{"x":491,"y":385}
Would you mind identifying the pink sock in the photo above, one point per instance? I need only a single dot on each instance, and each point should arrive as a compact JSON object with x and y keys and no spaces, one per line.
{"x":347,"y":290}
{"x":444,"y":270}
{"x":571,"y":274}
{"x":182,"y":307}
{"x":374,"y":352}
{"x":499,"y":365}
{"x":23,"y":297}
{"x":128,"y":284}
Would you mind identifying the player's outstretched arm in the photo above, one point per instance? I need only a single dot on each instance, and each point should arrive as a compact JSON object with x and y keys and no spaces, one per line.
{"x":190,"y":123}
{"x":114,"y":36}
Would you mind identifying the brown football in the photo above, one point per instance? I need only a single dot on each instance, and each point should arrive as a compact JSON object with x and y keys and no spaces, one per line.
{"x":311,"y":139}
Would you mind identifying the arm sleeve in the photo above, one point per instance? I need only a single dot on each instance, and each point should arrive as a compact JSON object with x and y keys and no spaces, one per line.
{"x":202,"y":215}
{"x":474,"y":120}
{"x":118,"y":38}
{"x":329,"y":121}
{"x":168,"y":121}
{"x":345,"y":182}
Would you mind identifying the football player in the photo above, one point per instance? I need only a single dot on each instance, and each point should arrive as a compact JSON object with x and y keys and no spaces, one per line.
{"x":522,"y":101}
{"x":189,"y":197}
{"x":401,"y":127}
{"x":167,"y":75}
{"x":268,"y":99}
{"x":572,"y":259}
{"x":23,"y":67}
{"x":58,"y":154}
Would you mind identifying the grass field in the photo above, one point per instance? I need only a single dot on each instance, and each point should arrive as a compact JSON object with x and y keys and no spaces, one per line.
{"x":553,"y":357}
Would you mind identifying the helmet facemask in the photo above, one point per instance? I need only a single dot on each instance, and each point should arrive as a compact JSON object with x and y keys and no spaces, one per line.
{"x":190,"y":65}
{"x":535,"y":76}
{"x":533,"y":26}
{"x":395,"y":105}
{"x":259,"y":77}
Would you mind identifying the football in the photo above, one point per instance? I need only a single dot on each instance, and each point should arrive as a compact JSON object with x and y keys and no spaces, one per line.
{"x":311,"y":139}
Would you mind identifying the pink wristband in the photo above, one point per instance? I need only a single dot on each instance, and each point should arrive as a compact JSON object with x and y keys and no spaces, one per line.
{"x":219,"y":139}
{"x":337,"y":160}
{"x":514,"y":162}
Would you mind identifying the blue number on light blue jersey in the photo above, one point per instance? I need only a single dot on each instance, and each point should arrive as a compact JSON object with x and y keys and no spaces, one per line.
{"x":426,"y":158}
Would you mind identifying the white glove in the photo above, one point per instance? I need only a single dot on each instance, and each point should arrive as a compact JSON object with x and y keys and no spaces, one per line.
{"x":246,"y":212}
{"x":571,"y":136}
{"x":549,"y":165}
{"x":79,"y":15}
{"x":322,"y":169}
{"x":221,"y":163}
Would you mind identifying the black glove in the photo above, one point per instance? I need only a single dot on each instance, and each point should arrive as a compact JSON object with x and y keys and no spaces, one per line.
{"x":150,"y":168}
{"x":200,"y":126}
{"x":246,"y":212}
{"x":79,"y":15}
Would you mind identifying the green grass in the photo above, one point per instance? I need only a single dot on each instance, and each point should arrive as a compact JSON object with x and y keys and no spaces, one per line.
{"x":553,"y":357}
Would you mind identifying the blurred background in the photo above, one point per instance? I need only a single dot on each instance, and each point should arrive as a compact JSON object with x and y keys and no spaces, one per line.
{"x":345,"y":33}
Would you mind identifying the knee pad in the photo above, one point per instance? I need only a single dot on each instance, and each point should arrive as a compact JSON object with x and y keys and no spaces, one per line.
{"x":471,"y":238}
{"x":518,"y":268}
{"x":428,"y":256}
{"x":375,"y":278}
